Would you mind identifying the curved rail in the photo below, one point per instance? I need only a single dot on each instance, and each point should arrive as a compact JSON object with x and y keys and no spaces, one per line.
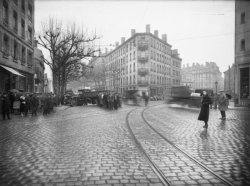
{"x":227,"y":182}
{"x":158,"y":172}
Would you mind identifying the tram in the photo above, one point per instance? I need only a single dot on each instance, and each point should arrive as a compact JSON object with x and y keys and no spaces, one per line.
{"x":184,"y":95}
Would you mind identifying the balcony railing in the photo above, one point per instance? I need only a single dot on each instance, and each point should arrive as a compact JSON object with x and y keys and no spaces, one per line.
{"x":143,"y":71}
{"x":142,"y":45}
{"x":142,"y":83}
{"x":143,"y":59}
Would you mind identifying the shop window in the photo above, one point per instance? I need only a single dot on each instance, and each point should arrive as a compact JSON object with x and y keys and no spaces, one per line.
{"x":244,"y":82}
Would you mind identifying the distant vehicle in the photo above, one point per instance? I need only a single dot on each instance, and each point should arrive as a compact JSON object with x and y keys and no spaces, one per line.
{"x":184,"y":95}
{"x":87,"y":96}
{"x":132,"y":96}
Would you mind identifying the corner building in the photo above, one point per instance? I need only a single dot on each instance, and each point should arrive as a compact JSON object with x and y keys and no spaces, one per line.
{"x":242,"y":51}
{"x":144,"y":62}
{"x":16,"y":45}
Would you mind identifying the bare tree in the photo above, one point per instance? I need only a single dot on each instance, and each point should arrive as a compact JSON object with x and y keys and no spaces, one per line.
{"x":67,"y":47}
{"x":97,"y":74}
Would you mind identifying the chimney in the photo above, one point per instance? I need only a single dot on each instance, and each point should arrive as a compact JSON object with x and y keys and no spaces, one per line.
{"x":116,"y":44}
{"x":156,"y":33}
{"x":147,"y":28}
{"x":132,"y":32}
{"x":164,"y":37}
{"x":122,"y":40}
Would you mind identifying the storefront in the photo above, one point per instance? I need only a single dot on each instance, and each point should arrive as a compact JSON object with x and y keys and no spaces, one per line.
{"x":244,"y":85}
{"x":13,"y":79}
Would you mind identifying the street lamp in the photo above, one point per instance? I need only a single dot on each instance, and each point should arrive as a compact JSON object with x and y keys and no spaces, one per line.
{"x":216,"y":84}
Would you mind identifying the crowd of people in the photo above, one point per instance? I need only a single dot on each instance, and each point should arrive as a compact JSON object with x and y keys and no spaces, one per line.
{"x":25,"y":103}
{"x":111,"y":101}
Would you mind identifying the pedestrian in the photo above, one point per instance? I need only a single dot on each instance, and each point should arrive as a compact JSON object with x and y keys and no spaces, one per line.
{"x":34,"y":103}
{"x":5,"y":106}
{"x":223,"y":103}
{"x":23,"y":106}
{"x":146,"y":99}
{"x":12,"y":99}
{"x":204,"y":112}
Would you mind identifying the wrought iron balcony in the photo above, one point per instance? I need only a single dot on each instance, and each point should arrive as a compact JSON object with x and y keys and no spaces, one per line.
{"x":143,"y":59}
{"x":143,"y":71}
{"x":142,"y":45}
{"x":142,"y":83}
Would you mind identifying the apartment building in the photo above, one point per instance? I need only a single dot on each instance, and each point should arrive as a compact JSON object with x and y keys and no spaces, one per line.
{"x":199,"y":76}
{"x":242,"y":51}
{"x":144,"y":62}
{"x":16,"y":45}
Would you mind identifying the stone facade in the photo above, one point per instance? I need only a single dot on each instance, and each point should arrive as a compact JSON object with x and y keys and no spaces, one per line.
{"x":143,"y":62}
{"x":199,"y":76}
{"x":38,"y":70}
{"x":242,"y":51}
{"x":229,"y":80}
{"x":16,"y":45}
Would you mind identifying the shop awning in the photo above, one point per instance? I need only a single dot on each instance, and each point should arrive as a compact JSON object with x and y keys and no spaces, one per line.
{"x":12,"y":70}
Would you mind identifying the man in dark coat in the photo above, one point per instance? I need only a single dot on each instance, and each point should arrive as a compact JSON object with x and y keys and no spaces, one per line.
{"x":34,"y":102}
{"x":204,"y":112}
{"x":5,"y":106}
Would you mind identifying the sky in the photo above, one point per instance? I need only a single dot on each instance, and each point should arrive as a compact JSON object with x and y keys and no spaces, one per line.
{"x":202,"y":31}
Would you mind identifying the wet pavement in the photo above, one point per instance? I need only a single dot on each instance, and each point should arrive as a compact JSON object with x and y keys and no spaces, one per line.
{"x":92,"y":146}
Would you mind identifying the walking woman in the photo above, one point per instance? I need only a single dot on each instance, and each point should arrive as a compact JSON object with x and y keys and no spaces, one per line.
{"x":204,"y":112}
{"x":223,"y":104}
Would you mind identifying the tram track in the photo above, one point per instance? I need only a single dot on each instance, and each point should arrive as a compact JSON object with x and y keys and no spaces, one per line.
{"x":164,"y":178}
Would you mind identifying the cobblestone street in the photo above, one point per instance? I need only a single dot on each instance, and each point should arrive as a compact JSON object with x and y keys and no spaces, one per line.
{"x":88,"y":145}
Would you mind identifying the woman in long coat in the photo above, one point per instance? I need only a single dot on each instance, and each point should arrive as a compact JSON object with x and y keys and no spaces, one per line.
{"x":204,"y":112}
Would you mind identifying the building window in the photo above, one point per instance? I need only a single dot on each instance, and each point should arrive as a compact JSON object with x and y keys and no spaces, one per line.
{"x":23,"y":29}
{"x":23,"y":6}
{"x":23,"y":55}
{"x":30,"y":35}
{"x":5,"y":46}
{"x":15,"y":23}
{"x":15,"y":50}
{"x":5,"y":13}
{"x":242,"y":18}
{"x":242,"y":45}
{"x":30,"y":12}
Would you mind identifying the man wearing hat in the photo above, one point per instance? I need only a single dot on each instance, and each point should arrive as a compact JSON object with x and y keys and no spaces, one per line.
{"x":223,"y":103}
